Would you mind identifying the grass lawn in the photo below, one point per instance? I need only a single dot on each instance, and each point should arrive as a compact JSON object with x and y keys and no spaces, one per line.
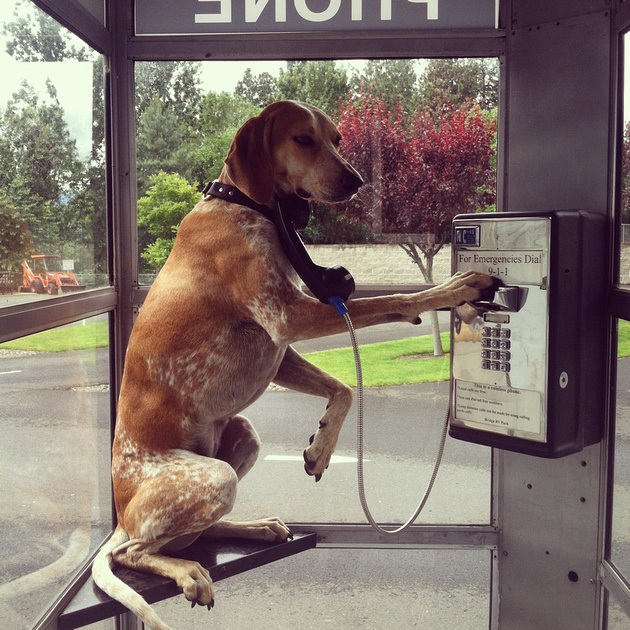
{"x":74,"y":337}
{"x":399,"y":362}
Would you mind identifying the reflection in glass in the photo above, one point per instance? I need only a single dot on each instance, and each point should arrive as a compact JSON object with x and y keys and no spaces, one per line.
{"x":52,"y":158}
{"x":55,"y":503}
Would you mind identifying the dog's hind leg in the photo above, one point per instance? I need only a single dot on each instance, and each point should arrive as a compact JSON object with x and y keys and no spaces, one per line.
{"x":181,"y":494}
{"x":239,"y":446}
{"x":298,"y":374}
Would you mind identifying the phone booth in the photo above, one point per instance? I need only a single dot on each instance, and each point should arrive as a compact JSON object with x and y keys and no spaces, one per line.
{"x":533,"y":493}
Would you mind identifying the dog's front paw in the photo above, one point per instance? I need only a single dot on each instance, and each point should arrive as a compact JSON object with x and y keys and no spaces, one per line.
{"x":316,"y":459}
{"x":466,"y":286}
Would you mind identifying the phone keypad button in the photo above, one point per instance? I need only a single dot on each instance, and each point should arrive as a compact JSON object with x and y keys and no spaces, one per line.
{"x":495,"y":349}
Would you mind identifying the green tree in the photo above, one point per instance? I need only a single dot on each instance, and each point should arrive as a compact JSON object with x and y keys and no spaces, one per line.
{"x":260,"y":90}
{"x":175,"y":84}
{"x":34,"y":36}
{"x":320,"y":83}
{"x":453,"y":82}
{"x":16,"y":243}
{"x":221,"y":117}
{"x":395,"y":81}
{"x":161,"y":210}
{"x":221,"y":111}
{"x":328,"y":226}
{"x":163,"y":144}
{"x":43,"y":168}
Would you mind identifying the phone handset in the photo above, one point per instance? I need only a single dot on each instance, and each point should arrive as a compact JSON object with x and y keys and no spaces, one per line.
{"x":332,"y":284}
{"x":325,"y":283}
{"x":501,"y":297}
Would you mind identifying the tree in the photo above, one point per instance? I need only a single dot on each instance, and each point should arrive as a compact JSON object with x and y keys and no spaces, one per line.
{"x":43,"y":170}
{"x":162,"y":144}
{"x":161,"y":210}
{"x":221,"y":111}
{"x":221,"y":117}
{"x":16,"y":243}
{"x":418,"y":174}
{"x":395,"y":81}
{"x":260,"y":90}
{"x":454,"y":82}
{"x":320,"y":83}
{"x":34,"y":36}
{"x":175,"y":84}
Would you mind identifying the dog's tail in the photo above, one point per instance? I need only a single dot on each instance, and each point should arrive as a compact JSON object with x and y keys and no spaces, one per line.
{"x":106,"y":580}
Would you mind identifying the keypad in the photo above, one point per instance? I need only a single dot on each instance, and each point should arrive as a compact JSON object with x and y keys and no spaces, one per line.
{"x":495,"y":349}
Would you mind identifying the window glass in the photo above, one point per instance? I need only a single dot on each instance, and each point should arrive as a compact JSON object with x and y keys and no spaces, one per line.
{"x":55,"y":504}
{"x":620,"y":550}
{"x":96,"y":8}
{"x":52,"y":160}
{"x":422,"y":133}
{"x":346,"y":588}
{"x":617,"y":618}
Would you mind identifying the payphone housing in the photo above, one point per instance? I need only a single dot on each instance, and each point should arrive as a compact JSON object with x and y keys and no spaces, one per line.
{"x":528,"y":365}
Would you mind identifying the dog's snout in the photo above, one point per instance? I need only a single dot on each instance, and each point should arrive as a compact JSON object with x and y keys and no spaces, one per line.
{"x":351,"y":181}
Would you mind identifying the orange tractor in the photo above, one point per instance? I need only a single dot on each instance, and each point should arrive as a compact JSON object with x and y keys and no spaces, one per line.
{"x":46,"y":275}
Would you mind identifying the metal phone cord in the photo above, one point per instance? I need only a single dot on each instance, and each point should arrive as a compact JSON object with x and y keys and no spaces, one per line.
{"x":360,"y":475}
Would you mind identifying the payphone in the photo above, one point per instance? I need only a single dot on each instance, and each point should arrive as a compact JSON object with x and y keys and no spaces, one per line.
{"x":528,"y":364}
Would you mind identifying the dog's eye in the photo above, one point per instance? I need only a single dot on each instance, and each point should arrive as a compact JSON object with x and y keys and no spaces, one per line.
{"x":304,"y":141}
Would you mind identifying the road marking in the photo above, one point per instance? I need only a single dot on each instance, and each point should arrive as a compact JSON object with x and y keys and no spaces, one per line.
{"x":335,"y":459}
{"x":11,"y":372}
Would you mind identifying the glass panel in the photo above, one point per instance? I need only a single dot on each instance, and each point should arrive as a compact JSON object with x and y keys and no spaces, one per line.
{"x":617,"y":618}
{"x":620,"y":549}
{"x":96,"y":8}
{"x":350,"y":589}
{"x":55,"y":504}
{"x":402,"y":428}
{"x":52,"y":159}
{"x":188,"y":114}
{"x":435,"y":117}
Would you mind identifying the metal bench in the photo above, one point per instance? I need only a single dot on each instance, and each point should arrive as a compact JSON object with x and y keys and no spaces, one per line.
{"x":222,"y":558}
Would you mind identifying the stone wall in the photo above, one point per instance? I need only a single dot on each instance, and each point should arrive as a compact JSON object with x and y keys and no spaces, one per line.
{"x":380,"y":264}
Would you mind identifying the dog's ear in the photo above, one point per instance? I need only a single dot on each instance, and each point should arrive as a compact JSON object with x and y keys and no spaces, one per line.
{"x":248,"y":161}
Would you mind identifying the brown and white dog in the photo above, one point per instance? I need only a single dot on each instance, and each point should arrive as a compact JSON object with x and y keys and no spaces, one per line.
{"x":215,"y":330}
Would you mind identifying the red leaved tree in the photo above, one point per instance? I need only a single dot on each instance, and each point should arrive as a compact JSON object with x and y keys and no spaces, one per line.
{"x":419,"y":173}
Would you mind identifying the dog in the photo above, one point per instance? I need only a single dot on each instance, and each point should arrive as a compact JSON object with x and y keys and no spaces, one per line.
{"x":215,"y":330}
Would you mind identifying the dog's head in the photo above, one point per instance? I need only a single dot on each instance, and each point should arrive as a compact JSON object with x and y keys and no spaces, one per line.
{"x":291,"y":148}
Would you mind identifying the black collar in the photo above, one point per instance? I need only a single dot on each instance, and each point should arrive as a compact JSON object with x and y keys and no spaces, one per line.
{"x":294,"y":210}
{"x":233,"y":194}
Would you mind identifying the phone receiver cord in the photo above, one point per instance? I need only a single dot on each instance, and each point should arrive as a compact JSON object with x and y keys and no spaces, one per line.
{"x":341,"y":308}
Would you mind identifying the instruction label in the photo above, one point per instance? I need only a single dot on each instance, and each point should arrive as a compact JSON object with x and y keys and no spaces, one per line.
{"x":517,"y":267}
{"x":500,"y":409}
